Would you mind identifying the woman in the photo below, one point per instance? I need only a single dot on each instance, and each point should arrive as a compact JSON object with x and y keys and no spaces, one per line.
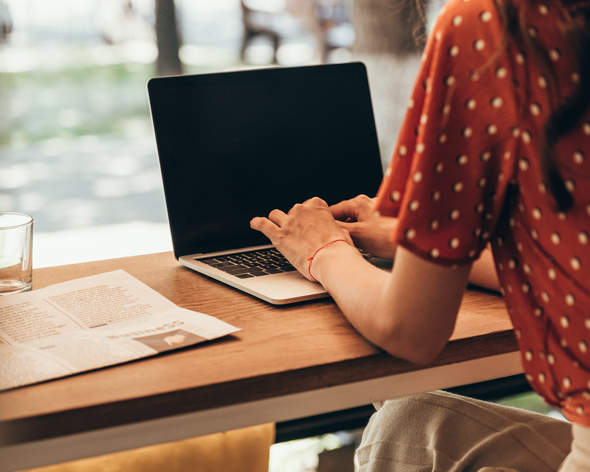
{"x":494,"y":151}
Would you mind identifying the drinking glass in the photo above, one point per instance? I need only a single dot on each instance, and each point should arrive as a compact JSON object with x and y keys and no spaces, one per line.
{"x":16,"y":265}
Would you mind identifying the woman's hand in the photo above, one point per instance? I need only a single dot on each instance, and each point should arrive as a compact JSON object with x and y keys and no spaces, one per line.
{"x":368,"y":230}
{"x":299,"y":233}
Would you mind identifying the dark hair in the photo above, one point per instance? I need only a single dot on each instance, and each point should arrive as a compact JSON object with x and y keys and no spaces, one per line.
{"x":566,"y":113}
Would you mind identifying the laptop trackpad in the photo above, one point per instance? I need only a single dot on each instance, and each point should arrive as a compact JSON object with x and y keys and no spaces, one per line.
{"x":276,"y":289}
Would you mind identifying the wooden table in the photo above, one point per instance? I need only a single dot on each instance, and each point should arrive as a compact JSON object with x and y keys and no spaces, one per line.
{"x":286,"y":363}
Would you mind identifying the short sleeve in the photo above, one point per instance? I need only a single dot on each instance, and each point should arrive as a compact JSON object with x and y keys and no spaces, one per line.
{"x":448,"y":178}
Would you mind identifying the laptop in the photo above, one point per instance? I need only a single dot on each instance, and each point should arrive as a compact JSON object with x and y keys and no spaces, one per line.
{"x":236,"y":145}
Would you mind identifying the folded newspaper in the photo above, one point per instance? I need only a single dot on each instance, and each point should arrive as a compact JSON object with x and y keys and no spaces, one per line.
{"x":89,"y":323}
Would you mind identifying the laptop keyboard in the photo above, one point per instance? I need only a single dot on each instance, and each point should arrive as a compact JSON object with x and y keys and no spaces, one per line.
{"x":251,"y":264}
{"x":257,"y":263}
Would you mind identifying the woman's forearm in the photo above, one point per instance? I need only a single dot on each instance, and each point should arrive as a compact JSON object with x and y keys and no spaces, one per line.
{"x":394,"y":311}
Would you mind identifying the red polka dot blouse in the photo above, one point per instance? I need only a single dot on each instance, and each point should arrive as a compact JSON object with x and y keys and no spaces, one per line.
{"x":465,"y":173}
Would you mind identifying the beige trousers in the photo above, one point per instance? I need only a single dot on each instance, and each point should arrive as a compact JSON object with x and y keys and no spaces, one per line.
{"x":442,"y":432}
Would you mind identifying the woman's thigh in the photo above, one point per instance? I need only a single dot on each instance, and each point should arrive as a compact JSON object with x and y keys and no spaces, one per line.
{"x":442,"y":432}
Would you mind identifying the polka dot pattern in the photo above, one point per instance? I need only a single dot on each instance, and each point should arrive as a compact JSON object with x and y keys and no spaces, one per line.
{"x":465,"y":173}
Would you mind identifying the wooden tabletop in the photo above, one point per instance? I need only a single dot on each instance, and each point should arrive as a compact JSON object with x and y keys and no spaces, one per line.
{"x":281,"y":351}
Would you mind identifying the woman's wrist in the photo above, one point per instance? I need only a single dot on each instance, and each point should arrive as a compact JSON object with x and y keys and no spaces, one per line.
{"x":318,"y":250}
{"x":320,"y":260}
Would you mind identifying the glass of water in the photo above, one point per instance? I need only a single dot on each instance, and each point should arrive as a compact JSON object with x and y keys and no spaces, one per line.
{"x":16,"y":245}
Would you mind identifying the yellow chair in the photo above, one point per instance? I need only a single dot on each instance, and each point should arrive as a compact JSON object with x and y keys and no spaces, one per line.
{"x":240,"y":450}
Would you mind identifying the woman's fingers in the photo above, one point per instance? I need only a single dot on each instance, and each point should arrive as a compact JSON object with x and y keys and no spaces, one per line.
{"x":356,"y":209}
{"x":270,"y":226}
{"x":277,"y":217}
{"x":263,"y":225}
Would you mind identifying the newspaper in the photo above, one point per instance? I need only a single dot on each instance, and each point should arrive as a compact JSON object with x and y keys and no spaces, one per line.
{"x":89,"y":323}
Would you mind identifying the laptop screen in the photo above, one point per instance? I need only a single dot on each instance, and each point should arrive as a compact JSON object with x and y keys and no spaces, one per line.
{"x":237,"y":145}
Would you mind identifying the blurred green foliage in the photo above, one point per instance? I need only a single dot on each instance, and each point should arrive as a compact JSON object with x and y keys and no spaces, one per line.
{"x":75,"y":100}
{"x":530,"y":401}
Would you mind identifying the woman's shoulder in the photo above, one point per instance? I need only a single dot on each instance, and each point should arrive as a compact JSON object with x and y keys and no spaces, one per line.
{"x":456,"y":12}
{"x":464,"y":21}
{"x":469,"y":12}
